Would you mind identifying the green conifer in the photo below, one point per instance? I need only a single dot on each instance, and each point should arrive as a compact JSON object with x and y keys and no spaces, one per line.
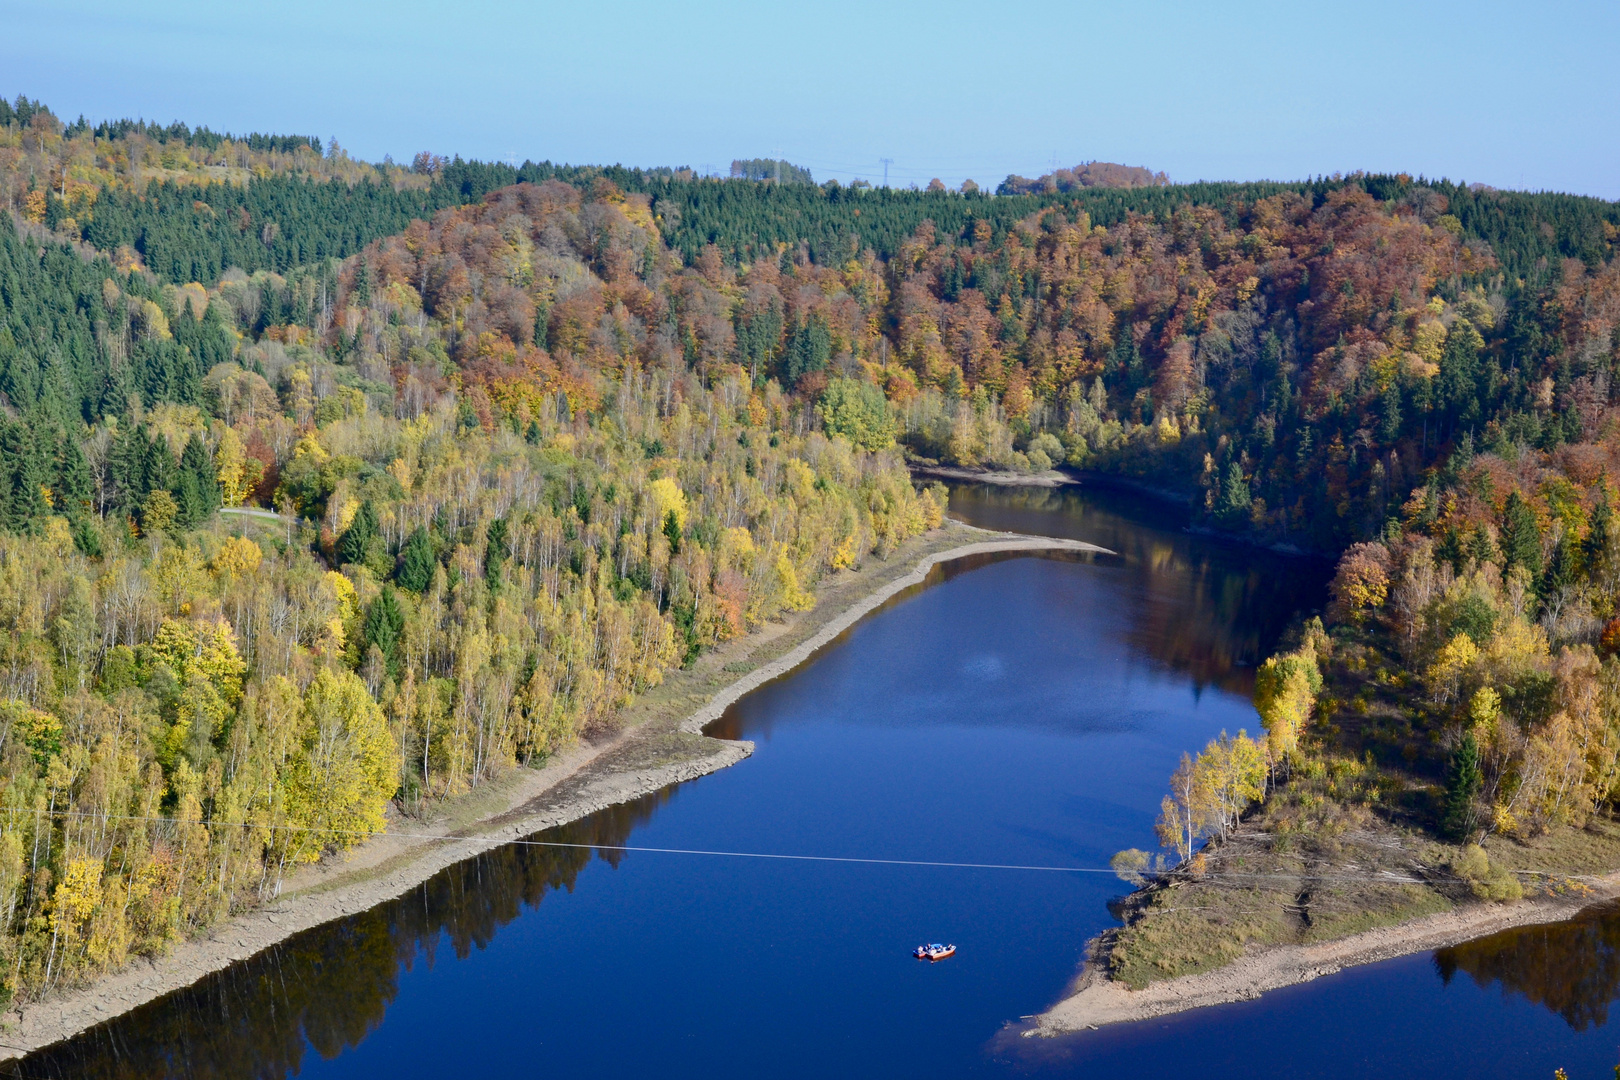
{"x":496,"y":550}
{"x":355,"y":542}
{"x":1521,"y":539}
{"x":416,"y":563}
{"x":385,"y":623}
{"x":1235,"y":497}
{"x":1463,"y":784}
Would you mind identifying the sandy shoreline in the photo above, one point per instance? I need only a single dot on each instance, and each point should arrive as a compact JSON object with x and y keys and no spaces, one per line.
{"x":1095,"y":1000}
{"x":416,"y":858}
{"x":645,"y":758}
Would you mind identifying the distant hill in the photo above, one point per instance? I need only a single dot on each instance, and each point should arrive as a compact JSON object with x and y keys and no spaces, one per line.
{"x":189,"y":204}
{"x":1088,"y":174}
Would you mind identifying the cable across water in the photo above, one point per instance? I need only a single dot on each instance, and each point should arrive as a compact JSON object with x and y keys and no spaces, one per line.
{"x":1383,"y":876}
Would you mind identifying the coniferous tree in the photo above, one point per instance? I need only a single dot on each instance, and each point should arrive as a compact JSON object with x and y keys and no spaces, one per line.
{"x":86,"y":538}
{"x":363,"y":283}
{"x":159,"y":467}
{"x":1521,"y":539}
{"x":1459,"y":375}
{"x":1480,"y":547}
{"x":542,"y":317}
{"x":385,"y":623}
{"x":417,"y":562}
{"x":32,"y":474}
{"x":14,"y":451}
{"x":1599,"y":533}
{"x":810,"y":348}
{"x":1463,"y":783}
{"x":495,"y":551}
{"x":1389,"y":427}
{"x":191,"y":507}
{"x":1564,"y":568}
{"x":355,"y":542}
{"x":74,"y":486}
{"x":1235,"y":497}
{"x":672,"y":532}
{"x":758,"y":337}
{"x":197,"y":468}
{"x":127,"y":467}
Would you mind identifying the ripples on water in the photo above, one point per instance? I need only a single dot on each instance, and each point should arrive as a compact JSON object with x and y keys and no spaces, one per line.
{"x":1022,"y":710}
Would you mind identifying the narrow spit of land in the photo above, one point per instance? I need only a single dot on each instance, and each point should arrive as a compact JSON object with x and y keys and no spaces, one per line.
{"x":1096,"y":1000}
{"x":661,"y":743}
{"x":1287,"y":898}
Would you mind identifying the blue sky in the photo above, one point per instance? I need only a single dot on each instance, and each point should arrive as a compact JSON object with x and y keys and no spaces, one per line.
{"x":1514,"y":95}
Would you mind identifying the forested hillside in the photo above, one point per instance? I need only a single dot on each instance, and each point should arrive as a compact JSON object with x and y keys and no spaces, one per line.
{"x":537,"y":434}
{"x":1466,"y":687}
{"x":487,"y":549}
{"x":190,"y":204}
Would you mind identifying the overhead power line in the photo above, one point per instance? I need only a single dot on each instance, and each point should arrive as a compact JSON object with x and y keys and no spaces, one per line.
{"x":1382,"y":876}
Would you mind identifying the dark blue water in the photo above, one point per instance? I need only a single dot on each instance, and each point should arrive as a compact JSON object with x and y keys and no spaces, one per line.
{"x":1024,"y":711}
{"x":1394,"y":1019}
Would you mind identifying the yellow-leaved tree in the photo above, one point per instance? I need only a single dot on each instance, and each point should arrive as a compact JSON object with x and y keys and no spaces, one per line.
{"x":1451,"y":664}
{"x":1186,"y":814}
{"x":667,"y":498}
{"x":1285,"y":690}
{"x":237,"y":558}
{"x":231,"y":464}
{"x":1236,"y":771}
{"x":1209,"y":793}
{"x":203,"y":658}
{"x":340,"y":784}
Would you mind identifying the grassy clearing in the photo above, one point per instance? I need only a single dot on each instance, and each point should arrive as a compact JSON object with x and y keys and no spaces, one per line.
{"x":1594,"y":849}
{"x":1339,"y":913}
{"x":1262,"y":887}
{"x":1190,"y":927}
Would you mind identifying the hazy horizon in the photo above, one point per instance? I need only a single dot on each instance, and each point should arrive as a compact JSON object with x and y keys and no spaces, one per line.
{"x":1480,"y":93}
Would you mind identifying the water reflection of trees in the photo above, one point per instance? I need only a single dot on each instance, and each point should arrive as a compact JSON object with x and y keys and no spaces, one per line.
{"x":328,"y":988}
{"x":1571,"y":968}
{"x":1208,"y":608}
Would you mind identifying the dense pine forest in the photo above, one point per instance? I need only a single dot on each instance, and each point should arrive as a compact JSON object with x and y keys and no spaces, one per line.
{"x":536,"y":434}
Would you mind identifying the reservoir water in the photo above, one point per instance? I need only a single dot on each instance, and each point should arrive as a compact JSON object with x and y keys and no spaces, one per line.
{"x":1017,"y":711}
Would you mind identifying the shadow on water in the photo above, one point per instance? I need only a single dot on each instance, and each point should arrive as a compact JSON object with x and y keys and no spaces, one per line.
{"x":1211,"y":609}
{"x":1570,"y":968}
{"x":328,"y":988}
